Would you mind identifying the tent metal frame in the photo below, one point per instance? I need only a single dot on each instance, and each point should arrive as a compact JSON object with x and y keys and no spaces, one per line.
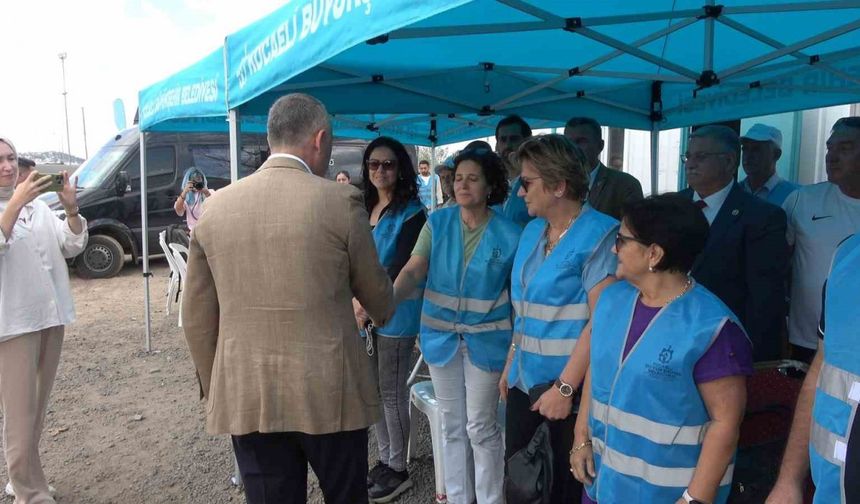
{"x":736,"y":77}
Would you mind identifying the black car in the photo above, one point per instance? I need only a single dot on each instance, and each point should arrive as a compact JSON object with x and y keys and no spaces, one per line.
{"x":109,"y":187}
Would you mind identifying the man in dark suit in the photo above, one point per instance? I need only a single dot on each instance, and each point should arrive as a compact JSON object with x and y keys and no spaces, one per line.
{"x":745,"y":260}
{"x":608,"y":189}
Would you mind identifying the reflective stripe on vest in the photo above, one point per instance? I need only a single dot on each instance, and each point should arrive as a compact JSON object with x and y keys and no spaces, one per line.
{"x":547,"y":347}
{"x":653,"y":431}
{"x":458,"y":328}
{"x":839,"y":383}
{"x":653,"y":474}
{"x":466,"y":304}
{"x":831,"y":447}
{"x":550,"y":313}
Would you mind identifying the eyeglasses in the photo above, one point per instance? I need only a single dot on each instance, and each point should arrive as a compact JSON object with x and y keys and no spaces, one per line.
{"x":621,"y":239}
{"x":526,"y":182}
{"x":387,"y":164}
{"x":700,"y":156}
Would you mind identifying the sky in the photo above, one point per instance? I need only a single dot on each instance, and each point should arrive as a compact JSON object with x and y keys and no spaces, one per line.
{"x":114,"y":49}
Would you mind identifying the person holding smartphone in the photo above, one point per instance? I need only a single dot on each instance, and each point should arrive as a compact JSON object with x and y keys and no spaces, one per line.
{"x":195,"y":190}
{"x":35,"y":306}
{"x":563,"y":263}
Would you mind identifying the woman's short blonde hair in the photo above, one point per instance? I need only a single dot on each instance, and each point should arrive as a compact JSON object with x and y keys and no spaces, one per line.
{"x":558,"y":160}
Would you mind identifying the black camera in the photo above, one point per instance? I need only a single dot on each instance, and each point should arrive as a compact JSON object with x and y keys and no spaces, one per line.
{"x":198,"y":186}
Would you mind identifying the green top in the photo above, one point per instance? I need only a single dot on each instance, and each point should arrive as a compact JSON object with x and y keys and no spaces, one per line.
{"x":471,"y":238}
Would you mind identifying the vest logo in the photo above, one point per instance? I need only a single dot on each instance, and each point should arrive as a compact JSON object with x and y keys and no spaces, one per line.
{"x":660,"y":368}
{"x":496,"y":258}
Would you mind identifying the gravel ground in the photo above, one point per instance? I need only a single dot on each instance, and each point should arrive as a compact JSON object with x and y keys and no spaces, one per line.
{"x":126,"y":426}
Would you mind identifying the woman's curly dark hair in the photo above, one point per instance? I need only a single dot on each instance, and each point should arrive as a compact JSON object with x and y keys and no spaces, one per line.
{"x":405,"y":188}
{"x":492,"y":168}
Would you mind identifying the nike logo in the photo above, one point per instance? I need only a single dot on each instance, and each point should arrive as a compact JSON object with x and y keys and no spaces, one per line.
{"x":819,"y":217}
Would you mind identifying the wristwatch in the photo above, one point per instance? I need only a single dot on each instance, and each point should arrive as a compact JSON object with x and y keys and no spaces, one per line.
{"x":565,"y":389}
{"x":689,"y":498}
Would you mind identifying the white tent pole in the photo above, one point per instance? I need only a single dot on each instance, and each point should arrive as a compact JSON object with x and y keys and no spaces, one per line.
{"x":235,"y":145}
{"x":144,"y":238}
{"x":655,"y":158}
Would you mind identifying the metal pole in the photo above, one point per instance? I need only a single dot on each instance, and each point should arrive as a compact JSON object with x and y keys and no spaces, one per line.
{"x":144,"y":232}
{"x":84,"y":120}
{"x":235,"y":145}
{"x":62,"y":57}
{"x":433,"y":176}
{"x":655,"y":159}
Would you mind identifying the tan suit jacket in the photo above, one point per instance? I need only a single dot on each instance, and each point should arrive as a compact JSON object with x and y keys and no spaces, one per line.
{"x":272,"y":269}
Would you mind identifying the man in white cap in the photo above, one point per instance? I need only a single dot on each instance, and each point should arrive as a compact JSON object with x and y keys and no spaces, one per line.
{"x":762,"y":148}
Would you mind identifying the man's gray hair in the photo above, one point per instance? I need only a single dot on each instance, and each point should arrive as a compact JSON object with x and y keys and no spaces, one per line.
{"x":724,"y":135}
{"x":294,"y":118}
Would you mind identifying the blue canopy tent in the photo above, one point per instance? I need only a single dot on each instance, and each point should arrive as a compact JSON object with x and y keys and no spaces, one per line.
{"x":429,"y":68}
{"x":644,"y":65}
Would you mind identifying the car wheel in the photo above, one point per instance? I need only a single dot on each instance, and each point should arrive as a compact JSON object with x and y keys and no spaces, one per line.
{"x":103,"y":257}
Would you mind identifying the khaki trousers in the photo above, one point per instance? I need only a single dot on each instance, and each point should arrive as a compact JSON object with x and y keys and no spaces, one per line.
{"x":28,"y":366}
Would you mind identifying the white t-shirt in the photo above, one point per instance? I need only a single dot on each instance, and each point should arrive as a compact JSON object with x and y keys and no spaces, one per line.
{"x":820,"y":216}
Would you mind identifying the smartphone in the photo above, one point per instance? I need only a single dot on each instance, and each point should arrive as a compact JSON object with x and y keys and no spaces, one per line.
{"x":56,"y":183}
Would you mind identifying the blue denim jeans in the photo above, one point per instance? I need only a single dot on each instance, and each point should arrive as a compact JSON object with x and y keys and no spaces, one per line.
{"x":393,"y":359}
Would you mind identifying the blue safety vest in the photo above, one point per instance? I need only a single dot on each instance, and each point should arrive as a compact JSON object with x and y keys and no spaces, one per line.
{"x":647,"y":417}
{"x":514,"y":207}
{"x":469,"y":301}
{"x":425,"y":189}
{"x":405,"y":321}
{"x":838,"y":389}
{"x":552,"y":309}
{"x":779,"y":193}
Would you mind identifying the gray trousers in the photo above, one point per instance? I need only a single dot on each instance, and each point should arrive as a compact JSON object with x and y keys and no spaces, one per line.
{"x":392,"y":360}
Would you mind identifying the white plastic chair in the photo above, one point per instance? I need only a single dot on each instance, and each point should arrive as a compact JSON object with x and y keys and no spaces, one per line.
{"x":181,"y":266}
{"x":173,"y":284}
{"x":422,"y":398}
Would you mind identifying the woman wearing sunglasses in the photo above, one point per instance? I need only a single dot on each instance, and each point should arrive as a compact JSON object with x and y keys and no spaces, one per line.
{"x":396,"y":218}
{"x":465,"y":253}
{"x":664,"y":396}
{"x":563,"y":263}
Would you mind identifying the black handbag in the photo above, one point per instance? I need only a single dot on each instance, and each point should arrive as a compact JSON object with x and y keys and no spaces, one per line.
{"x":529,"y":475}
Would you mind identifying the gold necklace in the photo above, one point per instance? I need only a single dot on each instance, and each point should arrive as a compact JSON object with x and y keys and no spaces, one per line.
{"x":551,"y":245}
{"x":684,"y":291}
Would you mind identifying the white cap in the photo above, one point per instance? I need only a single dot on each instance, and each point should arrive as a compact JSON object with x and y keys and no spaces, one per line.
{"x":763,"y":133}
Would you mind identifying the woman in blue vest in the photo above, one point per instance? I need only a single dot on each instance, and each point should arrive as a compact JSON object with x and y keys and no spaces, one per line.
{"x":563,"y":262}
{"x":665,"y":393}
{"x":396,"y":218}
{"x":465,"y":253}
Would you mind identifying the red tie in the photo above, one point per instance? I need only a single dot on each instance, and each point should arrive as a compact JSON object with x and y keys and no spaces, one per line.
{"x":700,"y":204}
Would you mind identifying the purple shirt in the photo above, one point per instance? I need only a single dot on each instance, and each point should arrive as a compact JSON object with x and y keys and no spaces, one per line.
{"x":730,"y":355}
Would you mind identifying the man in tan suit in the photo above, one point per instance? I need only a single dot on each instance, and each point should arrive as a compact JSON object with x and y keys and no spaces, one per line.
{"x":273,"y":266}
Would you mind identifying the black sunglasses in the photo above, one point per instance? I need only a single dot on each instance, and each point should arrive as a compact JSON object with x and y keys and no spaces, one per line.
{"x":621,"y":239}
{"x":526,"y":182}
{"x":387,"y":165}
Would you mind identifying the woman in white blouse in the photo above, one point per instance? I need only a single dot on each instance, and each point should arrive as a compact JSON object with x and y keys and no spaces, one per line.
{"x":35,"y":306}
